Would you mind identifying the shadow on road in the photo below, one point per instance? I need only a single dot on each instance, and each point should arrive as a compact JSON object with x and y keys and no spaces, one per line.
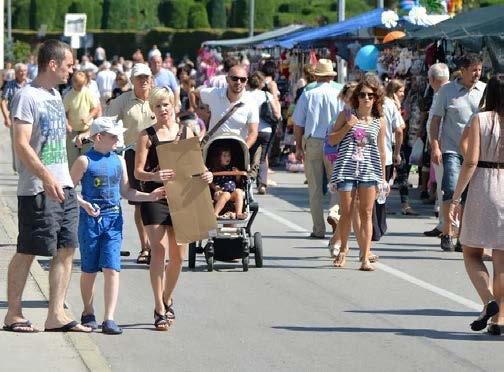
{"x":421,"y":312}
{"x":30,"y":304}
{"x":427,"y":333}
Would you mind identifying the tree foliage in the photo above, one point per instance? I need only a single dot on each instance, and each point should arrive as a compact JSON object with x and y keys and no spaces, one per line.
{"x":198,"y":17}
{"x":217,"y":13}
{"x":174,"y":13}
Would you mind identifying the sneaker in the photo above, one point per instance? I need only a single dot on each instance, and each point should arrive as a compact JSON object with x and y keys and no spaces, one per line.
{"x":261,"y":190}
{"x":333,"y":222}
{"x":458,"y":246}
{"x":435,"y":232}
{"x":89,"y":320}
{"x":447,"y":243}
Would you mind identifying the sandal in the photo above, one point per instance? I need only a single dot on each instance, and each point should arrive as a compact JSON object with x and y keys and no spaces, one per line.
{"x":340,"y":259}
{"x":495,"y":329}
{"x":161,"y":322}
{"x":170,"y":313}
{"x":227,"y":216}
{"x":144,"y":257}
{"x":489,"y":311}
{"x":371,"y":257}
{"x":366,"y":266}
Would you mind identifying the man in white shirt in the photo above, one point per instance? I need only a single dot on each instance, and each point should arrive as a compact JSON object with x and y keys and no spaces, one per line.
{"x":105,"y":80}
{"x":245,"y":120}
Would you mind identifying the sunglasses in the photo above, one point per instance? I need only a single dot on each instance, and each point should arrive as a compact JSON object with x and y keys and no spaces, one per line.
{"x":363,"y":95}
{"x":236,"y":78}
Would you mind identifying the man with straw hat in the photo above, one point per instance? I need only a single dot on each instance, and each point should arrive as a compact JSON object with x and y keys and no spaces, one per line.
{"x":315,"y":112}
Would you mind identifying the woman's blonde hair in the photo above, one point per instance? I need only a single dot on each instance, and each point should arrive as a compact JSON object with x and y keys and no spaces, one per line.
{"x":392,"y":87}
{"x":79,"y":79}
{"x":157,"y":94}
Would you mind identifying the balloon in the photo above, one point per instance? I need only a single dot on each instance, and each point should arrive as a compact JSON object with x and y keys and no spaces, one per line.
{"x":367,"y":58}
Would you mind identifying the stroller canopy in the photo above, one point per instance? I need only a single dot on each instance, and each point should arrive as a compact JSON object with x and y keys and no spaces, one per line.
{"x":239,"y":151}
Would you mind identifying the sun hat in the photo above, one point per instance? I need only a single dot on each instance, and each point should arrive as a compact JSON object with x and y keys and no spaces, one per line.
{"x":106,"y":124}
{"x":141,"y":69}
{"x":324,"y":68}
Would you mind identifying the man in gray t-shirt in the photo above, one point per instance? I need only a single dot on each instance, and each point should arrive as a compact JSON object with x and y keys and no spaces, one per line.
{"x":47,"y":204}
{"x":455,"y":104}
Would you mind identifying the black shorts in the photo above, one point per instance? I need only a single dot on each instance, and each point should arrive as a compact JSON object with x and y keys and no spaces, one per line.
{"x":129,"y":158}
{"x":155,"y":213}
{"x":46,"y":225}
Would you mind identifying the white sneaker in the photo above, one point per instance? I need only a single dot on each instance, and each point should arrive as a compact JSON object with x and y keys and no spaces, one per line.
{"x":333,"y":249}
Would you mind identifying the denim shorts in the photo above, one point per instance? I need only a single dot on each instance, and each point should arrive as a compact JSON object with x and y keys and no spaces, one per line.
{"x":351,"y":185}
{"x":100,"y":240}
{"x":452,"y":163}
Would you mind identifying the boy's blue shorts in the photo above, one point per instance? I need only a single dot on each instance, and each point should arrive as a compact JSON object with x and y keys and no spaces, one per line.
{"x":100,"y":240}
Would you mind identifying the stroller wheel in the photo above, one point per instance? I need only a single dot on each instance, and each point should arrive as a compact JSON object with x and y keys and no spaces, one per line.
{"x":258,"y":251}
{"x":192,"y":256}
{"x":245,"y":263}
{"x":210,"y":262}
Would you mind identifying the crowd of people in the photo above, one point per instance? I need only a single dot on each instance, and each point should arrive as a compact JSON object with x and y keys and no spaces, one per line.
{"x":98,"y":123}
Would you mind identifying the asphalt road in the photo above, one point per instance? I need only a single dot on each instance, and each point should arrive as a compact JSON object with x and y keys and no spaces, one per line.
{"x":300,"y":313}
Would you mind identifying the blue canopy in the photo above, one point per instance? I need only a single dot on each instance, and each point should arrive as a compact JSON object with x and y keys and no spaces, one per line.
{"x":366,"y":20}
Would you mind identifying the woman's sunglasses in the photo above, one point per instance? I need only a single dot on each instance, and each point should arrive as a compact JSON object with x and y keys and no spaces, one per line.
{"x":363,"y":95}
{"x":242,"y":79}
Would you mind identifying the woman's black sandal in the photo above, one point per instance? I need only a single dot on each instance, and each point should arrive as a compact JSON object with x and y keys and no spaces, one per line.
{"x":170,"y":313}
{"x":144,"y":257}
{"x":161,"y":321}
{"x":495,"y":329}
{"x":489,"y":311}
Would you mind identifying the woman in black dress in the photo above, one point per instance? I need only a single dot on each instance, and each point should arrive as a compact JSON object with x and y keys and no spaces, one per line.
{"x":156,"y":216}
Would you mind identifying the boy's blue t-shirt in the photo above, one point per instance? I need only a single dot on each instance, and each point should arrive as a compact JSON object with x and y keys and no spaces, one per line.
{"x":102,"y":179}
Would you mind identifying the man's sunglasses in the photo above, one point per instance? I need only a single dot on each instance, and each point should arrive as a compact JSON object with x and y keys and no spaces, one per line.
{"x":242,"y":79}
{"x":363,"y":95}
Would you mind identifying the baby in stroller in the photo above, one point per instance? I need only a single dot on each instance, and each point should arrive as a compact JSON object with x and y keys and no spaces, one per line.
{"x":226,"y":187}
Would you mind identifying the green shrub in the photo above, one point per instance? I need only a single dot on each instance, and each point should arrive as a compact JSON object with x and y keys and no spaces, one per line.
{"x":264,"y":10}
{"x":20,"y":50}
{"x":174,"y":13}
{"x":21,"y":11}
{"x":217,"y":13}
{"x":198,"y":17}
{"x":239,"y":14}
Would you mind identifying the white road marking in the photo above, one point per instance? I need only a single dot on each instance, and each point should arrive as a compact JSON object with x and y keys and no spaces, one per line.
{"x":397,"y":273}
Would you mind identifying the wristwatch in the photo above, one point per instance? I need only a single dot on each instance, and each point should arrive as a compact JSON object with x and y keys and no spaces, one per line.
{"x":456,"y":201}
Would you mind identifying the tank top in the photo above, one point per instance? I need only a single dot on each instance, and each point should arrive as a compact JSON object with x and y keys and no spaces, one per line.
{"x":152,"y":161}
{"x":102,"y":179}
{"x":358,"y":157}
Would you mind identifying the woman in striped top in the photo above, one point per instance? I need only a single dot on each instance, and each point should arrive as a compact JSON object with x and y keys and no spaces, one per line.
{"x":360,"y":165}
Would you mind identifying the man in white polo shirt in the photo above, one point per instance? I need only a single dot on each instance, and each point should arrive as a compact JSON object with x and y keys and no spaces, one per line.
{"x":245,"y":120}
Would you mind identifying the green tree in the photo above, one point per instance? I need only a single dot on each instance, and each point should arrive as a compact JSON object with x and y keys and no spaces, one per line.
{"x":198,"y":17}
{"x":20,"y":51}
{"x":116,"y":14}
{"x":239,"y":13}
{"x":21,"y":11}
{"x":44,"y":12}
{"x":174,"y":13}
{"x":263,"y":15}
{"x":217,"y":13}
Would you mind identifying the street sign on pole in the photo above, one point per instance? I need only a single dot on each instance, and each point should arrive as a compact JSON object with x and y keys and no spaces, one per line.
{"x":75,"y":24}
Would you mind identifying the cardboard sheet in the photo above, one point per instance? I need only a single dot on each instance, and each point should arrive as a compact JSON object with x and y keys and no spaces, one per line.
{"x":189,"y":199}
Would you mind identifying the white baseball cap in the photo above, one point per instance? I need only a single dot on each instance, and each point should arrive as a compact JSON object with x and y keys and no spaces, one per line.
{"x":141,"y":69}
{"x":106,"y":124}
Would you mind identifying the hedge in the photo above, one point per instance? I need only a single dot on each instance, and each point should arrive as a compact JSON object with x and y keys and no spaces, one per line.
{"x":125,"y":42}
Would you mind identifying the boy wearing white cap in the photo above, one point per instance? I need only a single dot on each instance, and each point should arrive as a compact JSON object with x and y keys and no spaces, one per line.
{"x":104,"y":180}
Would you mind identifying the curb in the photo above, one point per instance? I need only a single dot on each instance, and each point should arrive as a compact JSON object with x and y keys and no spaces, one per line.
{"x":83,"y":343}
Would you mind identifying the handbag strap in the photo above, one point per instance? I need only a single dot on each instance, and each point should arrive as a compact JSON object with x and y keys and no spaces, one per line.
{"x":222,"y":120}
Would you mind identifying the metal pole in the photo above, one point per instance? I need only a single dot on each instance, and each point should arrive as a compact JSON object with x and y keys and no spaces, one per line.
{"x":2,"y":34}
{"x":9,"y":22}
{"x":341,"y":10}
{"x":251,"y":17}
{"x":381,"y":4}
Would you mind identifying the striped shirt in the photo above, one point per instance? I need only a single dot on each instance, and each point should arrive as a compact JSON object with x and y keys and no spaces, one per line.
{"x":368,"y":168}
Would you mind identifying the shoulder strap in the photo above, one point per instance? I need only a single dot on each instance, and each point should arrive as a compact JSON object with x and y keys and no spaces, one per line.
{"x":222,"y":120}
{"x":182,"y":132}
{"x":151,"y":132}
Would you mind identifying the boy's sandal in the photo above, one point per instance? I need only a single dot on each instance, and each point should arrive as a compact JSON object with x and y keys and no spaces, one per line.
{"x":366,"y":266}
{"x":340,"y":259}
{"x":227,"y":216}
{"x":372,"y":258}
{"x":144,"y":257}
{"x":161,"y":322}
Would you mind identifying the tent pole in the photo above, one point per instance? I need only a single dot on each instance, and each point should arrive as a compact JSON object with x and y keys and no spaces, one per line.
{"x":342,"y":70}
{"x":251,"y":20}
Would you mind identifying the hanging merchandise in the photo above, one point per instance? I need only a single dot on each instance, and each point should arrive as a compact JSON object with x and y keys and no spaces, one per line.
{"x":313,"y":58}
{"x":389,"y":18}
{"x":367,"y":58}
{"x":407,"y":5}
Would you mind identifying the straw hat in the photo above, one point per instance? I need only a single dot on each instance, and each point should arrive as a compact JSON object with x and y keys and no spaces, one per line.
{"x":324,"y":68}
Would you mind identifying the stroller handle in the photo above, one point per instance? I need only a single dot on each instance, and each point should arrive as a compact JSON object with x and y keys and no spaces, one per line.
{"x":230,"y":173}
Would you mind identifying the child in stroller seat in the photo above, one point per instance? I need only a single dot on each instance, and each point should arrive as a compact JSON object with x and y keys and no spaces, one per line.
{"x":226,"y":188}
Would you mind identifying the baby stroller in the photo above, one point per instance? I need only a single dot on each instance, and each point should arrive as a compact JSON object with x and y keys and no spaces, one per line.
{"x":233,"y":238}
